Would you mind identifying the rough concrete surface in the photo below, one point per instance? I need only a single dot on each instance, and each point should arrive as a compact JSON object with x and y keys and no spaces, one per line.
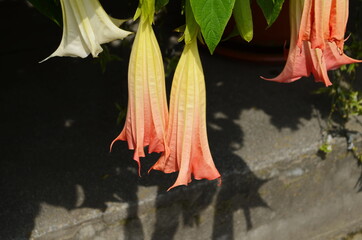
{"x":59,"y":181}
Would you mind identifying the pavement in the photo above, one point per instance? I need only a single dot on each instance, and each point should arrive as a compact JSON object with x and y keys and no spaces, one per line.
{"x":59,"y":181}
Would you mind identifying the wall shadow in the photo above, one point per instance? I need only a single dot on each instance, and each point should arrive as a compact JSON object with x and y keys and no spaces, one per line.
{"x":58,"y":121}
{"x":286,"y":105}
{"x":359,"y":181}
{"x":240,"y":186}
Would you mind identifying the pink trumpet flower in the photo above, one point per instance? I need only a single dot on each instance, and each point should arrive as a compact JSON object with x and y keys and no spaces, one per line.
{"x":147,"y":113}
{"x":186,"y":135}
{"x":317,"y":51}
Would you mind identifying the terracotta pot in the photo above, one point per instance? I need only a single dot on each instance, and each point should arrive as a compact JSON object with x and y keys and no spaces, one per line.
{"x":267,"y":44}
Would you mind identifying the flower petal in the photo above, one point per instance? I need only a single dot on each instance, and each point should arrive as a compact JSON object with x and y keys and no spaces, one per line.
{"x":314,"y":25}
{"x":316,"y":63}
{"x":333,"y":57}
{"x":296,"y":65}
{"x":105,"y":28}
{"x":338,"y":22}
{"x":147,"y":113}
{"x":186,"y":135}
{"x":313,"y":51}
{"x":85,"y":27}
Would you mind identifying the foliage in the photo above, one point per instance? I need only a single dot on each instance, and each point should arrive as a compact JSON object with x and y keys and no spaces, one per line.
{"x":243,"y":19}
{"x":50,"y":8}
{"x":160,"y":4}
{"x":106,"y":57}
{"x":211,"y":15}
{"x":325,"y":147}
{"x":346,"y":100}
{"x":345,"y":97}
{"x":271,"y":9}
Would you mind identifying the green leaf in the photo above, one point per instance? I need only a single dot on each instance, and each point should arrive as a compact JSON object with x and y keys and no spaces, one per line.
{"x":234,"y":33}
{"x":244,"y":19}
{"x":160,"y":4}
{"x":212,"y":17}
{"x":49,"y":8}
{"x":271,"y":9}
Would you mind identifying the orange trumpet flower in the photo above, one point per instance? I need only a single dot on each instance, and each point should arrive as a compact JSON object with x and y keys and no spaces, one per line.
{"x":338,"y":22}
{"x":315,"y":46}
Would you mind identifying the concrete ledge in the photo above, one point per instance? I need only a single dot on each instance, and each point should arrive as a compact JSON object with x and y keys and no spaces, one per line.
{"x":307,"y":199}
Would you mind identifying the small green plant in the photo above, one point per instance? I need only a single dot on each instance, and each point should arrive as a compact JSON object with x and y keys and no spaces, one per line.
{"x":326,"y":147}
{"x":346,"y":101}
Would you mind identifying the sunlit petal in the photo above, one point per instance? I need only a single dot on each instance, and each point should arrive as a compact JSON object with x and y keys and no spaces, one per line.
{"x":296,"y":65}
{"x":147,"y":113}
{"x":338,"y":22}
{"x":186,"y":135}
{"x":312,"y":49}
{"x":314,"y":25}
{"x":334,"y":59}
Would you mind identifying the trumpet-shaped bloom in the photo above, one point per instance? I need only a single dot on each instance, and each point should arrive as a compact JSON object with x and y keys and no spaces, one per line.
{"x":314,"y":24}
{"x":147,"y":112}
{"x":186,"y":135}
{"x":323,"y":20}
{"x":314,"y":52}
{"x":338,"y":22}
{"x":85,"y":27}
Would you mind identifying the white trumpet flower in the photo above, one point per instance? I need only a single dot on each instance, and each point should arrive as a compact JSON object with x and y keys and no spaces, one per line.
{"x":85,"y":27}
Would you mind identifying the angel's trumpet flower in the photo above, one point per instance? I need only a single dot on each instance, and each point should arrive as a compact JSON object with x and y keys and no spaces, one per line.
{"x":338,"y":22}
{"x":147,"y":112}
{"x":186,"y":135}
{"x":85,"y":27}
{"x":323,"y":20}
{"x":314,"y":23}
{"x":314,"y":52}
